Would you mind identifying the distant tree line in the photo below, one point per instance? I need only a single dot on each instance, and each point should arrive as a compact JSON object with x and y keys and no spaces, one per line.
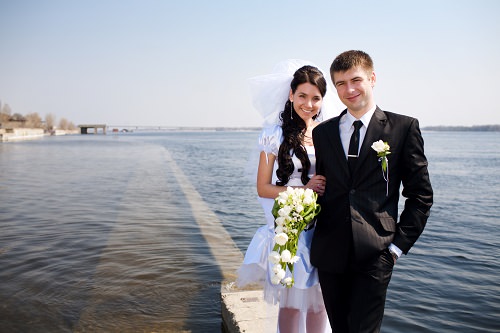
{"x":31,"y":120}
{"x":475,"y":128}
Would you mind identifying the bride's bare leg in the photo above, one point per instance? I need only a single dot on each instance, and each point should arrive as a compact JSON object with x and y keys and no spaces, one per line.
{"x":288,"y":320}
{"x":316,"y":321}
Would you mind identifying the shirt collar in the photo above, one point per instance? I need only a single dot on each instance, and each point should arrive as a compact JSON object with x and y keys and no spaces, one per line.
{"x":365,"y":119}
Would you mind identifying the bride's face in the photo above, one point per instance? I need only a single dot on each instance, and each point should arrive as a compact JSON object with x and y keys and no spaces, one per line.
{"x":306,"y":100}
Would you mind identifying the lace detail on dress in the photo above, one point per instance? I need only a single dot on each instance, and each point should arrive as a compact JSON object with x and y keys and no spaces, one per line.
{"x":270,"y":140}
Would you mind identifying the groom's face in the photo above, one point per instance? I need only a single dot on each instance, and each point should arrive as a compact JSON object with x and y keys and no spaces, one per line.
{"x":355,"y":89}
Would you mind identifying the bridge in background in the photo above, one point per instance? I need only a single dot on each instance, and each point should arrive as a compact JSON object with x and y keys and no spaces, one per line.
{"x":95,"y":129}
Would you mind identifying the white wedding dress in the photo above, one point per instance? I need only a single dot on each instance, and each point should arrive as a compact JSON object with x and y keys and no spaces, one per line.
{"x":305,"y":295}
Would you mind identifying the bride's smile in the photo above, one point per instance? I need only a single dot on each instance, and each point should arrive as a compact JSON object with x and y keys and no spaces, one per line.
{"x":306,"y":100}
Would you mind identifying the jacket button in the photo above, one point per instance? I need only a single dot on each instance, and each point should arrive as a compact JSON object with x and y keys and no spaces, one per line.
{"x":352,"y":191}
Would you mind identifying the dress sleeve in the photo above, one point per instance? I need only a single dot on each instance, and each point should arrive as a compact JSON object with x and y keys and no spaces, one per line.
{"x":270,"y":139}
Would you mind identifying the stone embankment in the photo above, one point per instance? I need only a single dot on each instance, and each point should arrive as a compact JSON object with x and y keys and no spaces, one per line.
{"x":19,"y":134}
{"x":65,"y":132}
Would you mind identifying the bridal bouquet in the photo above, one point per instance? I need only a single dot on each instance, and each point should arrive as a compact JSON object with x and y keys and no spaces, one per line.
{"x":293,"y":210}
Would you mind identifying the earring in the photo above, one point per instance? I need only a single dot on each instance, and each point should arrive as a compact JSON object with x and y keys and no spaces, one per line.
{"x":318,"y":115}
{"x":291,"y":109}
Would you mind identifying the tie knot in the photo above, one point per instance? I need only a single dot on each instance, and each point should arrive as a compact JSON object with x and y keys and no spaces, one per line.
{"x":357,"y":125}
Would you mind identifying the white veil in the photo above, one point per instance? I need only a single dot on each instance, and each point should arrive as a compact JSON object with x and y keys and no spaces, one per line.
{"x":270,"y":92}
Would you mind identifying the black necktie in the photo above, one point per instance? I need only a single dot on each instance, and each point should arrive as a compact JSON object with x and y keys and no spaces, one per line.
{"x":352,"y":155}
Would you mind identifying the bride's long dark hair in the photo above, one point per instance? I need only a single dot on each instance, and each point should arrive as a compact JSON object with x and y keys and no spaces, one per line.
{"x":294,"y":128}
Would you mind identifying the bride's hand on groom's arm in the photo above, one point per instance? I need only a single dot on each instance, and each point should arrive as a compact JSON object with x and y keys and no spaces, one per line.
{"x":317,"y":183}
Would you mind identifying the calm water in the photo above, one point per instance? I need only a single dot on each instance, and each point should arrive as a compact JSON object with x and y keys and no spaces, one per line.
{"x":97,"y":234}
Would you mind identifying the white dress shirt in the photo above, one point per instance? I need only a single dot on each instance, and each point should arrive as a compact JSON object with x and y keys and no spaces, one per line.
{"x":346,"y":128}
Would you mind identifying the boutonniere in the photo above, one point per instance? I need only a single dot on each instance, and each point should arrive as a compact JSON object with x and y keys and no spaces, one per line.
{"x":383,"y":149}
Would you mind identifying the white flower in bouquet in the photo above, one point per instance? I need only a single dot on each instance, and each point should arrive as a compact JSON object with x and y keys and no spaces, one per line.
{"x":281,"y":274}
{"x":293,"y":210}
{"x":299,"y":208}
{"x":288,"y":281}
{"x":309,"y":197}
{"x":274,"y":257}
{"x":286,"y":256}
{"x":281,"y":238}
{"x":285,"y":211}
{"x":277,"y":268}
{"x":280,"y":221}
{"x":275,"y":279}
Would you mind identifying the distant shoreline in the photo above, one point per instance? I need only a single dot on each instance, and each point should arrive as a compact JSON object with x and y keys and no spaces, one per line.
{"x":125,"y":128}
{"x":120,"y":129}
{"x":475,"y":128}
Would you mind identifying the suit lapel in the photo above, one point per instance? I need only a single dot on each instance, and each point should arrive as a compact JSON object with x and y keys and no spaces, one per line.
{"x":376,"y":126}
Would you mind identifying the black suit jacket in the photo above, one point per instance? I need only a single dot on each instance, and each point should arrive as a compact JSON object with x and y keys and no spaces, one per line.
{"x":357,"y":213}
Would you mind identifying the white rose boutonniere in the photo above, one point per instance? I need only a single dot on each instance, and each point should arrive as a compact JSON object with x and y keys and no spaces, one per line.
{"x":383,"y":149}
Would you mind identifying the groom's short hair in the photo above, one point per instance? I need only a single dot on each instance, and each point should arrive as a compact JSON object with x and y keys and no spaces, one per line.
{"x":350,"y":59}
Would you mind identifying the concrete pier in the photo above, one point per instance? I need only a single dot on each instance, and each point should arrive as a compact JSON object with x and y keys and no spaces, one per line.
{"x":245,"y":311}
{"x":241,"y":310}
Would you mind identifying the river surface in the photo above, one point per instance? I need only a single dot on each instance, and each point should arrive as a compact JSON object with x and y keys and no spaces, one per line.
{"x":134,"y":232}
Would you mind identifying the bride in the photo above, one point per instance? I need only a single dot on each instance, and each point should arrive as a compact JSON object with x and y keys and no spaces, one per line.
{"x":292,"y":100}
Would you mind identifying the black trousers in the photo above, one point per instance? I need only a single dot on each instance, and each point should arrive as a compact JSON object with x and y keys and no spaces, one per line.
{"x":355,"y":299}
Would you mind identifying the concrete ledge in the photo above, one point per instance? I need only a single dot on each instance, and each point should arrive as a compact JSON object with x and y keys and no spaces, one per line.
{"x":18,"y":134}
{"x":246,"y":311}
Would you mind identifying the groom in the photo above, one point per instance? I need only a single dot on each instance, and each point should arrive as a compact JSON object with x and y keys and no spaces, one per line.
{"x":358,"y":237}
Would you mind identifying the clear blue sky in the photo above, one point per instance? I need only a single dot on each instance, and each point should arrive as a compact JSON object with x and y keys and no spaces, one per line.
{"x":185,"y":63}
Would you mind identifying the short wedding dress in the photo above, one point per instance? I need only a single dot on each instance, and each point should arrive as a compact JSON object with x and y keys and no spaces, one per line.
{"x":305,"y":294}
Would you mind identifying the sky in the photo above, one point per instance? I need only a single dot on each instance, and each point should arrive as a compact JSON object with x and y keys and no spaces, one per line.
{"x":186,"y":63}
